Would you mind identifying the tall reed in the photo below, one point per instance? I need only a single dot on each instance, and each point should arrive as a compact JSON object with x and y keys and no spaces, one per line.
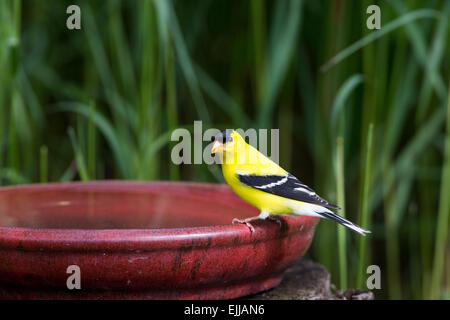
{"x":441,"y":241}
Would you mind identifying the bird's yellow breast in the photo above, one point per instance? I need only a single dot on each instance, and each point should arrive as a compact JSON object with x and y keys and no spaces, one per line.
{"x":263,"y":166}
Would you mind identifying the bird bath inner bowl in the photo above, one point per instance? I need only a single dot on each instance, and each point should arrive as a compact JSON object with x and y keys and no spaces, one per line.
{"x":140,"y":240}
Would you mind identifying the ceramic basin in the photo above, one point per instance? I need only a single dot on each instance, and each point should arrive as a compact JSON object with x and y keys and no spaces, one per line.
{"x":140,"y":240}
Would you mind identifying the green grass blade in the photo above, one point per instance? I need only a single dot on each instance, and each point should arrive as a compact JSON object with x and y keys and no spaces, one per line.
{"x":121,"y":51}
{"x":418,"y":42}
{"x":78,"y":156}
{"x":91,"y":150}
{"x":282,"y":42}
{"x":344,"y":92}
{"x":434,"y":60}
{"x":69,"y":173}
{"x":12,"y":176}
{"x":364,"y":211}
{"x":163,"y":15}
{"x":223,"y":100}
{"x":443,"y":218}
{"x":187,"y":67}
{"x":340,"y":187}
{"x":120,"y":150}
{"x":43,"y":164}
{"x":258,"y":27}
{"x":389,"y":27}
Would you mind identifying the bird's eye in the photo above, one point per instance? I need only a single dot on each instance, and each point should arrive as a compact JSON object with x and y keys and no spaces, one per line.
{"x":223,"y":137}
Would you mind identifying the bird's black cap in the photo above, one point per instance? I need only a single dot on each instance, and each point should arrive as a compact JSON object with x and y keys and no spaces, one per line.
{"x":224,"y":136}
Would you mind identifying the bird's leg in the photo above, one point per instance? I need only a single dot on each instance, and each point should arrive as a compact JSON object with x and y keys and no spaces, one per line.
{"x":276,"y":219}
{"x":263,"y":216}
{"x":246,"y":222}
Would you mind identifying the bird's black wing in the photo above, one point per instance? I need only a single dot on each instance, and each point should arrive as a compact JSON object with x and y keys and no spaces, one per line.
{"x":286,"y":186}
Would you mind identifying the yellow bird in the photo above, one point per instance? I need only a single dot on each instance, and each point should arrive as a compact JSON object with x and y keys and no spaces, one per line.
{"x":265,"y":185}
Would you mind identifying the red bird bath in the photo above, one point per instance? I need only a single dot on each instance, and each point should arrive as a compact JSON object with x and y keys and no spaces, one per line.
{"x":139,"y":240}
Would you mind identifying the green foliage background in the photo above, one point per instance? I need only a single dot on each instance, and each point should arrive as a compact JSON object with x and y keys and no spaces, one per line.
{"x":363,"y":114}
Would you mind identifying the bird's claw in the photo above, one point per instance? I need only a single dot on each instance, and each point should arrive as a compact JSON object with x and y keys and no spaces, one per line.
{"x":251,"y":227}
{"x":246,"y":222}
{"x":277,"y":220}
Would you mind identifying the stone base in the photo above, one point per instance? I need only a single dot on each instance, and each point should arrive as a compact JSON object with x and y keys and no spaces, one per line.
{"x":307,"y":280}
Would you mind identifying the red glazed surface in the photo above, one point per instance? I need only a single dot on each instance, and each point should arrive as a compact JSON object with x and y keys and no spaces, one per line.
{"x":145,"y":240}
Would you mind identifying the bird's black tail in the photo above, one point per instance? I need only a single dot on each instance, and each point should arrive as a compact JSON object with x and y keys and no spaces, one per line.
{"x":337,"y":218}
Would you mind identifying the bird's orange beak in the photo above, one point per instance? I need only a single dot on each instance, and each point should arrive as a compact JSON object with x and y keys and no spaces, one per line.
{"x":217,"y":147}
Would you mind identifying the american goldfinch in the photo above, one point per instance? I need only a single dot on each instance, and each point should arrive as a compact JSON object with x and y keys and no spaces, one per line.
{"x":265,"y":185}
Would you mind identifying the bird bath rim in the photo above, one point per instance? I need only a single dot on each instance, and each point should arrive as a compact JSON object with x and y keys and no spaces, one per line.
{"x":55,"y":238}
